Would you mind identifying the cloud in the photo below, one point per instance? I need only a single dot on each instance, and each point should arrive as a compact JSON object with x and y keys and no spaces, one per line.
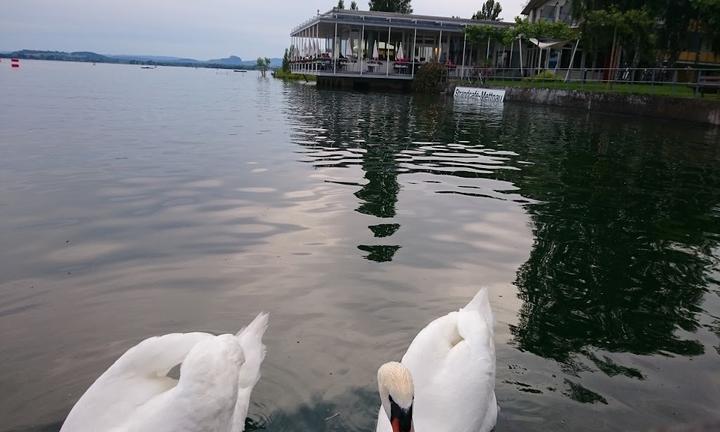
{"x":187,"y":28}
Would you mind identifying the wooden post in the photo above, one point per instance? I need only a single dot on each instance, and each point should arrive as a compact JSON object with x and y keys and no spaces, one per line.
{"x":521,"y":55}
{"x":440,"y":47}
{"x":387,"y":53}
{"x":572,"y":60}
{"x":512,"y":45}
{"x":412,"y":55}
{"x":335,"y":48}
{"x":361,"y":50}
{"x":462,"y":68}
{"x":302,"y":41}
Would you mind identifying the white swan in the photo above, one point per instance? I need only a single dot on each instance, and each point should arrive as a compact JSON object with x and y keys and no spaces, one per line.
{"x":446,"y":381}
{"x":212,"y":394}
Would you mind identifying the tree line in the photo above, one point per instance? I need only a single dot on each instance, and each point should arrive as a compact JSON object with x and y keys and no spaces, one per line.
{"x":644,"y":28}
{"x":645,"y":31}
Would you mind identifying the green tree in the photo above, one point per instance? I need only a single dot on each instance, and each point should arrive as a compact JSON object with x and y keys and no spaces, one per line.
{"x":708,"y":12}
{"x":490,"y":11}
{"x":286,"y":61}
{"x":401,"y":6}
{"x":353,"y":5}
{"x":607,"y":29}
{"x":673,"y":23}
{"x":340,"y":5}
{"x":263,"y":63}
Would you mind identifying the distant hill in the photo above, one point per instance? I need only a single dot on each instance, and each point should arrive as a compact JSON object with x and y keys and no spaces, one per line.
{"x":274,"y":63}
{"x":79,"y":56}
{"x":235,"y":61}
{"x":157,"y":59}
{"x":228,"y":61}
{"x":232,"y":62}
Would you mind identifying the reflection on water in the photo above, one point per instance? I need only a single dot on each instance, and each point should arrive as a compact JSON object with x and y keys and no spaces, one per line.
{"x":189,"y":200}
{"x":624,"y":243}
{"x":625,"y":219}
{"x":354,"y":410}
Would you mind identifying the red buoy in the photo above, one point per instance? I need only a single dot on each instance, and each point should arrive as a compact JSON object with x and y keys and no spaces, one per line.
{"x":15,"y":63}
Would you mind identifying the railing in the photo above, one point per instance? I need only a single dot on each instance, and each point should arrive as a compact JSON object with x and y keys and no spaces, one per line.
{"x":669,"y":81}
{"x":352,"y":66}
{"x":672,"y":81}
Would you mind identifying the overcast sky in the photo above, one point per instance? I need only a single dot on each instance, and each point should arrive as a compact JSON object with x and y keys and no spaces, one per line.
{"x":201,"y":29}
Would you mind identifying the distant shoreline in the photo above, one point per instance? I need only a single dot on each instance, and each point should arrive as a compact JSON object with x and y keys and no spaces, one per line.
{"x":90,"y":57}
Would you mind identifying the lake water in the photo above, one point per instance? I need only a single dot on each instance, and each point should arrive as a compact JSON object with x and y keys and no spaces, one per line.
{"x":140,"y":202}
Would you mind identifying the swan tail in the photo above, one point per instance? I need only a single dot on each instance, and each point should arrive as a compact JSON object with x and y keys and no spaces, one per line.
{"x":250,"y":339}
{"x":481,"y":304}
{"x":254,"y":350}
{"x":256,"y":327}
{"x":476,"y":324}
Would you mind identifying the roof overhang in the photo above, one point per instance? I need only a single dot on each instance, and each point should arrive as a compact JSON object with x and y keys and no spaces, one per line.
{"x":394,"y":20}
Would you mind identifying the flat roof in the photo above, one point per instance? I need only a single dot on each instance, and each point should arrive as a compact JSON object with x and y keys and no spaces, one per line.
{"x":397,"y":20}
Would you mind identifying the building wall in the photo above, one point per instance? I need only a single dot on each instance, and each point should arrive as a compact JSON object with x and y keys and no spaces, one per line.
{"x":552,"y":11}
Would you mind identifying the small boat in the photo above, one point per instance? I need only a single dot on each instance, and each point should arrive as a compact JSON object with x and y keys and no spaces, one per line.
{"x":239,"y":70}
{"x":148,"y":67}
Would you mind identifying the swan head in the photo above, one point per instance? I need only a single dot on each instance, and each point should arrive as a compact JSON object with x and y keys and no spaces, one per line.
{"x":397,"y":393}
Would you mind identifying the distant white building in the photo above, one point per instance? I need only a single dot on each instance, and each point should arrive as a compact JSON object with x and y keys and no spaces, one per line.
{"x":549,"y":10}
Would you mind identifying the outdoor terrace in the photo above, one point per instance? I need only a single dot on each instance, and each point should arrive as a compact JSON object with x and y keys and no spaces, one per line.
{"x":347,"y":43}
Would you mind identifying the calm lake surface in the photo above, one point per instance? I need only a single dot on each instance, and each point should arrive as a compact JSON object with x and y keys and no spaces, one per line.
{"x":141,"y":202}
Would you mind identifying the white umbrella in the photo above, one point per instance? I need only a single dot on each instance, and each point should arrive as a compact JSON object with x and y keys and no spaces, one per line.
{"x":400,"y":54}
{"x":375,"y":54}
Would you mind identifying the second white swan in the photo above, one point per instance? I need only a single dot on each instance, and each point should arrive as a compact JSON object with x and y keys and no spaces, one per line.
{"x":446,"y":380}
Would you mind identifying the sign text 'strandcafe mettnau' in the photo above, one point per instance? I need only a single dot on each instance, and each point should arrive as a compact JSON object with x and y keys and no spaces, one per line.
{"x":480,"y":94}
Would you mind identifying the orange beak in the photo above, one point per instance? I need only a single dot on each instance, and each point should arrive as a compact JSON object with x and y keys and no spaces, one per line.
{"x":395,"y":425}
{"x":402,"y":423}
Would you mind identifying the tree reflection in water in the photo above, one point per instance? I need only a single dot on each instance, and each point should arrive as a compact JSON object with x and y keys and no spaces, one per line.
{"x":624,"y":218}
{"x":624,"y":238}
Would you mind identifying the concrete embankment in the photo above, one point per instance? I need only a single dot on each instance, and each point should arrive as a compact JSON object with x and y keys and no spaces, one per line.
{"x":697,"y":110}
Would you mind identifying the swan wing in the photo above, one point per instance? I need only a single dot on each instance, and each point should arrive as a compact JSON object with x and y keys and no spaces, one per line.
{"x":205,"y":396}
{"x":135,"y":378}
{"x":217,"y":376}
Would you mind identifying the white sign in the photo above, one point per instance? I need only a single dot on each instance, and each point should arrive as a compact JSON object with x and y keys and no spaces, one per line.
{"x":480,"y":94}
